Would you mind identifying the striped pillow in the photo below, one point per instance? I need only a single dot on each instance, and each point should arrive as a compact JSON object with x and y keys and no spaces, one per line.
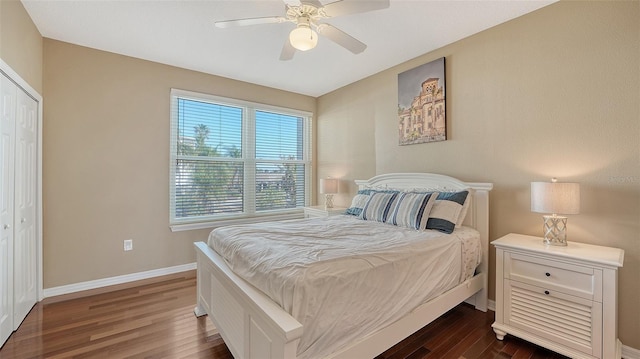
{"x":360,"y":199}
{"x":446,"y":211}
{"x":412,"y":210}
{"x":378,"y":206}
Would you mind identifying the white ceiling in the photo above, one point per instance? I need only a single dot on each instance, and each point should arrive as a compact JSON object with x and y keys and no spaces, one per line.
{"x":181,"y":33}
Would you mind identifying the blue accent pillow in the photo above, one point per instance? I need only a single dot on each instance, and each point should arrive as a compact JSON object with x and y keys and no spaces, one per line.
{"x":358,"y":202}
{"x":447,"y":210}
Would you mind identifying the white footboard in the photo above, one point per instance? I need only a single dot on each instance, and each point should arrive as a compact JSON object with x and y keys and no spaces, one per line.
{"x":250,"y":323}
{"x":253,"y":326}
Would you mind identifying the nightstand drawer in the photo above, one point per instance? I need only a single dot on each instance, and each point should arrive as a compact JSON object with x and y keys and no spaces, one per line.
{"x":554,"y":316}
{"x":579,"y":281}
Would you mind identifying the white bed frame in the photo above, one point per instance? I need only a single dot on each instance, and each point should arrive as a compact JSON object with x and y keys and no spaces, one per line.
{"x":253,"y":326}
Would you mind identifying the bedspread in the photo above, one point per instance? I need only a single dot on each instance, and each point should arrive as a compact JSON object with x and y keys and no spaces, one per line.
{"x":343,"y":278}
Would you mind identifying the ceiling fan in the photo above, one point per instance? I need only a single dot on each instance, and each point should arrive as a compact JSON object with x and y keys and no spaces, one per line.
{"x":307,"y":14}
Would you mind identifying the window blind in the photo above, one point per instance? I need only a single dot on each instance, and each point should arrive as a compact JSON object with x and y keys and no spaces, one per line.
{"x":234,"y":159}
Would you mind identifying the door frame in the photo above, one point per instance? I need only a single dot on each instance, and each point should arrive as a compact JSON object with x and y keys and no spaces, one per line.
{"x":15,"y":77}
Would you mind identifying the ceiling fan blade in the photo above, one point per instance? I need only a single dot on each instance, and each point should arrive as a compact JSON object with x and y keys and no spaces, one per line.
{"x":315,"y":3}
{"x":292,"y":2}
{"x":287,"y":51}
{"x":346,"y":7}
{"x":250,"y":21}
{"x":341,"y":38}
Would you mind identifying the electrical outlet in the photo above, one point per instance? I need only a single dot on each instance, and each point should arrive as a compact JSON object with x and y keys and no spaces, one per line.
{"x":128,"y":244}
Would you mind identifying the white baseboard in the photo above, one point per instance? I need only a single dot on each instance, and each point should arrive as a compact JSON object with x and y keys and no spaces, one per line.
{"x":627,"y":352}
{"x":491,"y":305}
{"x":99,"y":283}
{"x":630,"y":353}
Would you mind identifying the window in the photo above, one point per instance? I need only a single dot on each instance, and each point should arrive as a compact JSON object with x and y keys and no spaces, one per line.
{"x":236,"y":161}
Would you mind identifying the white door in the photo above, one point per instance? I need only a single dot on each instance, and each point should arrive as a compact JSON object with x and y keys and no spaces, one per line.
{"x":7,"y":135}
{"x":24,"y":240}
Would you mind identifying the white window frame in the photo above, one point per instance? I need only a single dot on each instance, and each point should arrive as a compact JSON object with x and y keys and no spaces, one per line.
{"x":248,"y":155}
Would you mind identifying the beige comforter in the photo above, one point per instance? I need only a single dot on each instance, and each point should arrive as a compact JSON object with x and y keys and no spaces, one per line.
{"x":342,"y":277}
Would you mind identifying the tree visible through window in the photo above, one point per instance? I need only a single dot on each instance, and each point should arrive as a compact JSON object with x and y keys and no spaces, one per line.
{"x":232,"y":159}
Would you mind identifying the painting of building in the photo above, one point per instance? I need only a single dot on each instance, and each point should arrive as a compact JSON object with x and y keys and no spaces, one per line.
{"x":421,"y":104}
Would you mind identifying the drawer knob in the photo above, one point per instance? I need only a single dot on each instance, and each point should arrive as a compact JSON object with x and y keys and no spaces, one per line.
{"x":548,"y":274}
{"x":546,"y":292}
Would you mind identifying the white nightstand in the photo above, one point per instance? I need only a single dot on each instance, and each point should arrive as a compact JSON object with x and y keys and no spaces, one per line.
{"x":320,"y":211}
{"x":561,"y":298}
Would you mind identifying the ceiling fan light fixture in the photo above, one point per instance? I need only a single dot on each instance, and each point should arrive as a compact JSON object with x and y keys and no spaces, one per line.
{"x":303,"y":38}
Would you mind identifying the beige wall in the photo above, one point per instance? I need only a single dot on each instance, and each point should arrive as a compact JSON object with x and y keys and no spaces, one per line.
{"x":20,"y":43}
{"x":106,"y":161}
{"x":553,"y":93}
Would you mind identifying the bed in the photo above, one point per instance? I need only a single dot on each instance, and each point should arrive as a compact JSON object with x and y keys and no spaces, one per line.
{"x":254,"y":324}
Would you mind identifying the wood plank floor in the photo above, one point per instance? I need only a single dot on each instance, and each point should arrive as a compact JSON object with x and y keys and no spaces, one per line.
{"x":155,"y":320}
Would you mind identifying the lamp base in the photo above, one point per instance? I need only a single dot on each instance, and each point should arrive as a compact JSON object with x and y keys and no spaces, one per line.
{"x":328,"y":201}
{"x":555,"y":230}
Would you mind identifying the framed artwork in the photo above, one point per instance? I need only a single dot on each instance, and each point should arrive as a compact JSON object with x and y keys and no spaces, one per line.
{"x":421,"y":104}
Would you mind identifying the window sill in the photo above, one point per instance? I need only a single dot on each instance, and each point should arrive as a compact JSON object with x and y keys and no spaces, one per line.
{"x":227,"y":222}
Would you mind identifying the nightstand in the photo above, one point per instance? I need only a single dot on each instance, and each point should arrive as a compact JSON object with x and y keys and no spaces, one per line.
{"x":320,"y":211}
{"x":561,"y":298}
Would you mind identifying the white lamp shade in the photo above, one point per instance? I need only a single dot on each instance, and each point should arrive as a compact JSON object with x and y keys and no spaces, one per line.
{"x":555,"y":197}
{"x":303,"y":38}
{"x":328,"y":185}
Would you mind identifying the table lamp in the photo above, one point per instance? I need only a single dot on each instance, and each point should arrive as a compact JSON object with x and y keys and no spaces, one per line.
{"x":328,"y":186}
{"x":555,"y":198}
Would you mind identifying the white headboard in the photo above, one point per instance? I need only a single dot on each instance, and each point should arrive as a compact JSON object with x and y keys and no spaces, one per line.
{"x":430,"y":181}
{"x":477,"y":214}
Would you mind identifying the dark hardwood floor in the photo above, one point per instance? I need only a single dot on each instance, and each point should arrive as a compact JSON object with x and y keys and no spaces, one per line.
{"x":155,"y":320}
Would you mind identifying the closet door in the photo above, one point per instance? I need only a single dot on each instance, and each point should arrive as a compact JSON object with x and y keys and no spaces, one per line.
{"x":24,"y":240}
{"x":7,"y":133}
